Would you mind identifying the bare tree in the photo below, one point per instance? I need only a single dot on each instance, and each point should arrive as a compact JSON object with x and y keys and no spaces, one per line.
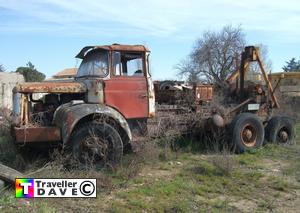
{"x":187,"y":68}
{"x":215,"y":56}
{"x":264,"y":55}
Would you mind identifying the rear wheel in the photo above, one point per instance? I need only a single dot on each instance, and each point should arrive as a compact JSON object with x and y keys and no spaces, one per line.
{"x":247,"y":132}
{"x":280,"y":130}
{"x":98,"y":144}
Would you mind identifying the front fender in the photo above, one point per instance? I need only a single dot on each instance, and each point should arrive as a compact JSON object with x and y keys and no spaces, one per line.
{"x":68,"y":115}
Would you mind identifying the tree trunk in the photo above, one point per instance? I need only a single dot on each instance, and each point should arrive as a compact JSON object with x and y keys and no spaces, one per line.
{"x":8,"y":174}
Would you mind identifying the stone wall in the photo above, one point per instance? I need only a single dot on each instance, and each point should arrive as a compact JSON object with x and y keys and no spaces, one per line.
{"x":289,"y":84}
{"x":7,"y":82}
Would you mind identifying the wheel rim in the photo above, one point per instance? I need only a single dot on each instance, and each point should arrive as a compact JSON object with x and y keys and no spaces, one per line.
{"x":249,"y":135}
{"x":94,"y":149}
{"x":283,"y":135}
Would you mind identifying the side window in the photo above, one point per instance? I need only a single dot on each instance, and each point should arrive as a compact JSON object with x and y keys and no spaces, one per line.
{"x":128,"y":64}
{"x":135,"y":67}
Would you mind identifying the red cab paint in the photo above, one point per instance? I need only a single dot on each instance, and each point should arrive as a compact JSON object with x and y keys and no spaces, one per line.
{"x":127,"y":94}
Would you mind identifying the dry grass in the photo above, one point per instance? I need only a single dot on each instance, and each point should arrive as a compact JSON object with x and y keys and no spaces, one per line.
{"x":212,"y":183}
{"x":5,"y":121}
{"x":146,"y":153}
{"x":224,"y":161}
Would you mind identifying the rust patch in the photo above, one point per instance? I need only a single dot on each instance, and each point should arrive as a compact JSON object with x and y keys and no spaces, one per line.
{"x":114,"y":47}
{"x":204,"y":92}
{"x":51,"y":87}
{"x":152,"y":115}
{"x":67,"y":117}
{"x":37,"y":134}
{"x":128,"y":95}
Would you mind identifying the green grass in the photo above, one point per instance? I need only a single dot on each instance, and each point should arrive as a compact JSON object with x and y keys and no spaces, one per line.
{"x":9,"y":203}
{"x":203,"y":180}
{"x":266,"y":179}
{"x":200,"y":184}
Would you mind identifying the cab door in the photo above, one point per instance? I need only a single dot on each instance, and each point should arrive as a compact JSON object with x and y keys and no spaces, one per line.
{"x":127,"y":89}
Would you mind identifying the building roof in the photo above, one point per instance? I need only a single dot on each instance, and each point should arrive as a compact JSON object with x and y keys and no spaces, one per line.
{"x":66,"y":73}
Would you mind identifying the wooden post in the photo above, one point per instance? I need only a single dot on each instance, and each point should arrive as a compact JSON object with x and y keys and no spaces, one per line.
{"x":270,"y":88}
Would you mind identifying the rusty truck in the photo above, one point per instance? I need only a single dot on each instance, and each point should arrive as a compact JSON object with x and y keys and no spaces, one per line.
{"x":105,"y":108}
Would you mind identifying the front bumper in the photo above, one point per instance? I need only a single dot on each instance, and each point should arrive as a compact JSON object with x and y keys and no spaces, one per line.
{"x":36,"y":134}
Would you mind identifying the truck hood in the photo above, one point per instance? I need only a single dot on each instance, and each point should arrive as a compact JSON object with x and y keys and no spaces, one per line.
{"x":50,"y":87}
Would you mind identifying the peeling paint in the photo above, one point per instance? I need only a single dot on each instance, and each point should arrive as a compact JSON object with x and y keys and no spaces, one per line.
{"x":50,"y":87}
{"x":67,"y":116}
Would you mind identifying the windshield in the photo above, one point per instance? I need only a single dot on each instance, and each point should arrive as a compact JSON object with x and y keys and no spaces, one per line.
{"x":94,"y":64}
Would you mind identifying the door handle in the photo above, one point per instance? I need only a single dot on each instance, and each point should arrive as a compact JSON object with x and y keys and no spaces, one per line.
{"x":143,"y":96}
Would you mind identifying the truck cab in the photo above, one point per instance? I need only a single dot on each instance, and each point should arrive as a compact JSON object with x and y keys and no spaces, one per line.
{"x":107,"y":104}
{"x":123,"y":71}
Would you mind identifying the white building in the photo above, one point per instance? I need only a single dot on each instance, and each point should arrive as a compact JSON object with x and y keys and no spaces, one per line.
{"x":7,"y":82}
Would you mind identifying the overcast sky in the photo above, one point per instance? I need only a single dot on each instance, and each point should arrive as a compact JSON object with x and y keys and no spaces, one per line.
{"x":49,"y":33}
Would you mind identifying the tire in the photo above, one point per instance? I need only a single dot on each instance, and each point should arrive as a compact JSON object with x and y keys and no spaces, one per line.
{"x":271,"y":129}
{"x":246,"y":132}
{"x":280,"y":130}
{"x":97,"y":143}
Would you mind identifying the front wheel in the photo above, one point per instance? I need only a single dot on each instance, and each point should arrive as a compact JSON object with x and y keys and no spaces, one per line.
{"x":247,"y":132}
{"x":97,"y":143}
